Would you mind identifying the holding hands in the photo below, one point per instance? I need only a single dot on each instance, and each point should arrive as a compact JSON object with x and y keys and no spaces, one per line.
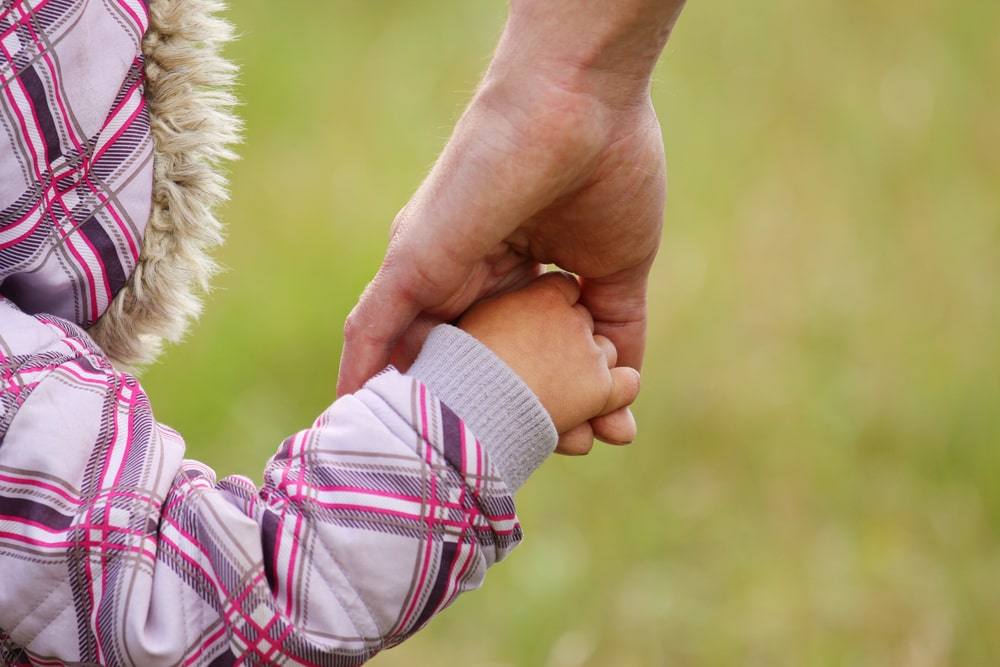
{"x":558,"y":159}
{"x":546,"y":336}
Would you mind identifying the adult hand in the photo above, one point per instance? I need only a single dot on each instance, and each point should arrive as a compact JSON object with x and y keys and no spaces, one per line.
{"x":557,"y":160}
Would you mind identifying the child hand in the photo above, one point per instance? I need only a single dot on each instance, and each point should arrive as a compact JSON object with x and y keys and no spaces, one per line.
{"x":547,"y":338}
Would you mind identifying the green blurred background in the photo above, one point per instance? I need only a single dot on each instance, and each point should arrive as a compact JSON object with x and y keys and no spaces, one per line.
{"x":817,"y":477}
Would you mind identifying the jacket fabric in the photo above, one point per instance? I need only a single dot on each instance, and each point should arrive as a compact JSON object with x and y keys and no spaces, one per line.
{"x":114,"y":548}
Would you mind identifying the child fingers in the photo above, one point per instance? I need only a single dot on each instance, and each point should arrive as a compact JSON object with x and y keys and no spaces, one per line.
{"x":564,"y":283}
{"x":577,"y":441}
{"x":585,"y":315}
{"x":608,"y":349}
{"x":615,"y":428}
{"x":615,"y":424}
{"x":624,"y":389}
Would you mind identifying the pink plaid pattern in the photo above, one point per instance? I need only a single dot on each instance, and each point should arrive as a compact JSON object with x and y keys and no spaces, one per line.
{"x":115,"y":550}
{"x":76,"y":167}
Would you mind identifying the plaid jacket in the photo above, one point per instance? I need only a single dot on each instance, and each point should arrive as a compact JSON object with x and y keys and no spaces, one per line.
{"x":114,"y":549}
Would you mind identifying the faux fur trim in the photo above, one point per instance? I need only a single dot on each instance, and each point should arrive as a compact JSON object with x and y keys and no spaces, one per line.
{"x":193,"y":124}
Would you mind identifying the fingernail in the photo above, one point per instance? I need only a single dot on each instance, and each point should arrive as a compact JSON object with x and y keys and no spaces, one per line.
{"x":633,"y":428}
{"x":634,"y":425}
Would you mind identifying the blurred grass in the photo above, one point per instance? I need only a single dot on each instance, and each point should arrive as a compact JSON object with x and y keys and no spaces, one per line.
{"x":816,"y":478}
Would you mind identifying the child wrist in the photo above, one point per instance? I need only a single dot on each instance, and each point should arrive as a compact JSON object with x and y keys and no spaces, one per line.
{"x":501,"y":410}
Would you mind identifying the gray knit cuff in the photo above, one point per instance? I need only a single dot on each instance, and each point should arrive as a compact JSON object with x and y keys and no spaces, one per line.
{"x":503,"y":413}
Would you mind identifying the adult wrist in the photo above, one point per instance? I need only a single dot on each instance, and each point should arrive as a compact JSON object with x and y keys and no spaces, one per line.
{"x":604,"y":49}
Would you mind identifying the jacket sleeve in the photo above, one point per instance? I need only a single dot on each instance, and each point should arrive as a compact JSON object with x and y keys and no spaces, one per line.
{"x":116,"y":550}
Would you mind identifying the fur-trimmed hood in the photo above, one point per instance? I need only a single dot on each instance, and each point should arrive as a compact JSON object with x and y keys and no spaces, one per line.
{"x":117,"y":117}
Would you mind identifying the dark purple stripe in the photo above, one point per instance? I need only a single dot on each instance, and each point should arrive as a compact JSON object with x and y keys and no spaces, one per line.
{"x":36,"y":91}
{"x":226,"y":659}
{"x":29,"y":510}
{"x":269,"y":540}
{"x":106,"y":250}
{"x":451,"y":433}
{"x":448,"y":553}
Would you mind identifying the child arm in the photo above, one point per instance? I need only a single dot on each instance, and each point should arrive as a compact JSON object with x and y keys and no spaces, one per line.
{"x":116,"y":550}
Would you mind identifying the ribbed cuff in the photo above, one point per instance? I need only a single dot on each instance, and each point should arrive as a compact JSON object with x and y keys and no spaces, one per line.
{"x":503,"y":413}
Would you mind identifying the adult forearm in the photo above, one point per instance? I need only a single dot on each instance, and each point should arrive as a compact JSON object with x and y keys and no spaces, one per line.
{"x":603,"y":48}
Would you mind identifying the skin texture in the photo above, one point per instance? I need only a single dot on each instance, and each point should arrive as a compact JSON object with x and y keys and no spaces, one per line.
{"x":547,"y":337}
{"x":558,"y":159}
